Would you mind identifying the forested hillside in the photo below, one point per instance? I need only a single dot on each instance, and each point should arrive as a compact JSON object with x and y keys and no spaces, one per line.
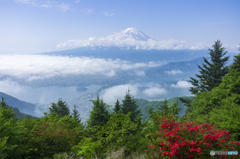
{"x":144,"y":105}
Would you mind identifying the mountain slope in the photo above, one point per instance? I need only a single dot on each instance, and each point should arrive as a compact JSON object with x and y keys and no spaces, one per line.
{"x":176,"y":70}
{"x":22,"y":108}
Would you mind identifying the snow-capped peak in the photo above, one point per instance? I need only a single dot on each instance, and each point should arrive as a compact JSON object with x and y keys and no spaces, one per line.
{"x":135,"y":34}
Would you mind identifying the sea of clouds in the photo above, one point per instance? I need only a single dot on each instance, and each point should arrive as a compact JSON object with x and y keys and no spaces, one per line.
{"x":32,"y":67}
{"x":35,"y":67}
{"x":124,"y":41}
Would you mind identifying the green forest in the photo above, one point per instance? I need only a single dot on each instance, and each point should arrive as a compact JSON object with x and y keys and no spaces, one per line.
{"x":135,"y":128}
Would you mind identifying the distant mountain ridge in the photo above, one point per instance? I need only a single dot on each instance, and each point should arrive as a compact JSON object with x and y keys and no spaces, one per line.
{"x":145,"y":105}
{"x":21,"y":108}
{"x":134,"y":56}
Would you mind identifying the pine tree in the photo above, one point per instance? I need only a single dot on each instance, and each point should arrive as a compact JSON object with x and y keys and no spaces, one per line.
{"x":6,"y":110}
{"x":4,"y":104}
{"x":130,"y":105}
{"x":163,"y":107}
{"x":211,"y":73}
{"x":61,"y":108}
{"x":222,"y":104}
{"x":99,"y":114}
{"x":117,"y":107}
{"x":76,"y":115}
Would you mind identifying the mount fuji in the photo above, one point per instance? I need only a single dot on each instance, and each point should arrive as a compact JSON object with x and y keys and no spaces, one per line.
{"x":130,"y":38}
{"x":130,"y":45}
{"x":134,"y":34}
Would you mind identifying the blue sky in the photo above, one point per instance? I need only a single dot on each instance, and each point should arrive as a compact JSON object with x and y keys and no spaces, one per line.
{"x":41,"y":25}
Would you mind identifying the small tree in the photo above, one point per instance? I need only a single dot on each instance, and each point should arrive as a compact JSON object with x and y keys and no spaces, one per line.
{"x":117,"y":107}
{"x":163,"y":107}
{"x":99,"y":114}
{"x":75,"y":114}
{"x":130,"y":105}
{"x":6,"y":110}
{"x":61,"y":108}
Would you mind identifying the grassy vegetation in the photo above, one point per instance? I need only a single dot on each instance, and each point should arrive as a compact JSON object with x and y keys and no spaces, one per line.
{"x":119,"y":154}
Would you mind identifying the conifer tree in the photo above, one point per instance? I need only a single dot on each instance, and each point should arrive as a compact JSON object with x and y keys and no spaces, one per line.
{"x":6,"y":110}
{"x":210,"y":74}
{"x":99,"y":114}
{"x":130,"y":105}
{"x":163,"y":107}
{"x":76,"y":115}
{"x":117,"y":107}
{"x":222,"y":104}
{"x":61,"y":108}
{"x":3,"y":103}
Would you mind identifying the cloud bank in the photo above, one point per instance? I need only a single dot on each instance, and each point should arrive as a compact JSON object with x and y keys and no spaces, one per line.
{"x":153,"y":91}
{"x":111,"y":95}
{"x":182,"y":84}
{"x":34,"y":67}
{"x":173,"y":72}
{"x":126,"y":40}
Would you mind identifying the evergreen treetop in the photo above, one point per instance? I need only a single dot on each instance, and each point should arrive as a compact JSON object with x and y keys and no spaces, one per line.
{"x":117,"y":107}
{"x":163,"y":107}
{"x":61,"y":108}
{"x":130,"y":105}
{"x":75,"y":114}
{"x":211,"y":73}
{"x":99,"y":114}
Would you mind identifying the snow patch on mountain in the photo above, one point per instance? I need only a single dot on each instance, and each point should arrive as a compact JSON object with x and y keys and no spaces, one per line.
{"x":135,"y":34}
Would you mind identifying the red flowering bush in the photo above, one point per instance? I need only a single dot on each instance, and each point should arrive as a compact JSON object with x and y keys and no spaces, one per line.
{"x":188,"y":140}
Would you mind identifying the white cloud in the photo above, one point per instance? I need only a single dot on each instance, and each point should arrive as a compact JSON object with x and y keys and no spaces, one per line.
{"x":34,"y":67}
{"x":109,"y":14}
{"x":77,"y":1}
{"x":111,"y":73}
{"x":33,"y":2}
{"x":233,"y":48}
{"x":123,"y":40}
{"x":46,"y":4}
{"x":182,"y":84}
{"x":9,"y":86}
{"x":154,"y":91}
{"x":63,"y":7}
{"x":88,"y":11}
{"x":173,"y":72}
{"x":140,"y":73}
{"x":111,"y":95}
